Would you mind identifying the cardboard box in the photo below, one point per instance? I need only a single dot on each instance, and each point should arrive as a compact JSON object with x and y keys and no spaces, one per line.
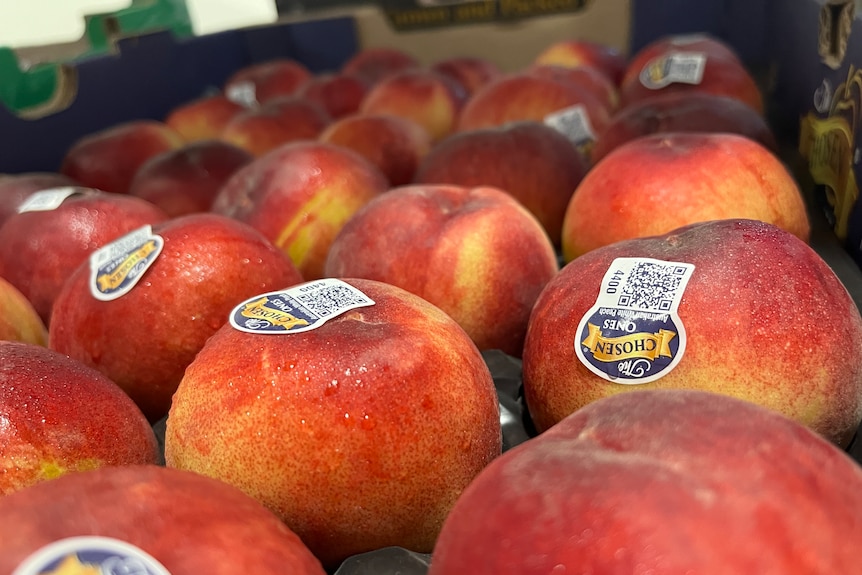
{"x":817,"y":96}
{"x":146,"y":74}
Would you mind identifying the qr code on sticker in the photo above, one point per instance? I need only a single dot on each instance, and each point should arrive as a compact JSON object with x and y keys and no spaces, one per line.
{"x":574,"y":123}
{"x":331,"y":300}
{"x":651,"y":286}
{"x":686,"y":68}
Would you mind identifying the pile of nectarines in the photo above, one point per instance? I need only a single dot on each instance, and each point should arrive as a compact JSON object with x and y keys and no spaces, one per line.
{"x":298,"y":279}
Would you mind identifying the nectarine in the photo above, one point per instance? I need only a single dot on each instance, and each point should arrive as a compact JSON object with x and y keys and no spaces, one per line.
{"x":59,"y":416}
{"x":660,"y":481}
{"x":579,"y":53}
{"x":668,"y":112}
{"x":476,"y":253}
{"x":432,"y":100}
{"x":145,"y":520}
{"x":739,"y":307}
{"x":203,"y":118}
{"x":15,"y":188}
{"x":534,"y":163}
{"x":689,"y":63}
{"x":395,"y":145}
{"x":187,"y":179}
{"x":56,"y":230}
{"x":108,"y":159}
{"x":143,"y":306}
{"x":260,"y":82}
{"x":281,"y":120}
{"x":299,"y":196}
{"x":376,"y":63}
{"x":654,"y":184}
{"x":19,"y":320}
{"x":354,"y":410}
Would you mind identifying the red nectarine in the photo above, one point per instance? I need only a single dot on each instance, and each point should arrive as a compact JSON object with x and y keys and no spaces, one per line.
{"x":476,"y":253}
{"x":299,"y":196}
{"x":259,"y":83}
{"x":58,"y":415}
{"x":186,"y":180}
{"x":534,"y":163}
{"x":278,"y":122}
{"x":146,"y":520}
{"x":395,"y":145}
{"x":108,"y":159}
{"x":203,"y":118}
{"x":145,"y":304}
{"x":654,"y":184}
{"x":739,"y":307}
{"x":55,"y":232}
{"x":355,"y":410}
{"x":660,"y":482}
{"x":432,"y":100}
{"x":19,"y":320}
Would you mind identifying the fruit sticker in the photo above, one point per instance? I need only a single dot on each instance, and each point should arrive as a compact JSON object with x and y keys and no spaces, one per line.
{"x":574,"y":123}
{"x":297,"y":309}
{"x":242,"y":93}
{"x":674,"y":67}
{"x":90,"y":556}
{"x":632,"y":334}
{"x":47,"y":200}
{"x":116,"y":267}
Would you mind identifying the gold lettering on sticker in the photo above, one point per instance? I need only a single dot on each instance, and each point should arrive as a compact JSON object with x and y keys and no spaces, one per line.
{"x":646,"y":345}
{"x":258,"y":310}
{"x":71,"y":565}
{"x":114,"y":279}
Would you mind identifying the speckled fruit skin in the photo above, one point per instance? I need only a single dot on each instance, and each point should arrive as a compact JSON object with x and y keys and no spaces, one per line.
{"x":766,"y":320}
{"x":145,"y":339}
{"x":724,"y":73}
{"x":359,"y":434}
{"x":108,"y":159}
{"x":40,"y":250}
{"x":190,"y":524}
{"x":18,"y":318}
{"x":534,"y":163}
{"x":475,"y":253}
{"x":299,"y":196}
{"x":670,"y":482}
{"x":655,"y":184}
{"x":60,"y":416}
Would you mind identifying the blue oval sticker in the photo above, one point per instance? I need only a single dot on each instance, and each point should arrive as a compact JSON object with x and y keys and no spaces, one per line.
{"x":632,"y":334}
{"x":90,"y":555}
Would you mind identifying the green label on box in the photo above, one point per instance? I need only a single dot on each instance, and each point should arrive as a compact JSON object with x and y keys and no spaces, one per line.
{"x":418,"y":14}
